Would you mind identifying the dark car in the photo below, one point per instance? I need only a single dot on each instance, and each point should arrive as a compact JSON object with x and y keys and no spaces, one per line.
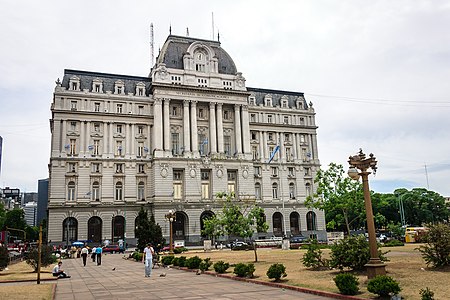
{"x":112,"y":249}
{"x":298,"y":239}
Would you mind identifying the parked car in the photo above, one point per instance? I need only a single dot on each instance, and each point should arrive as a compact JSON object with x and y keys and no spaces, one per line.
{"x":298,"y":239}
{"x":112,"y":249}
{"x":236,"y":244}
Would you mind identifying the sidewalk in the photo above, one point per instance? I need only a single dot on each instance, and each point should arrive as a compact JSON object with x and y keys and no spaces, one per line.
{"x":127,"y":281}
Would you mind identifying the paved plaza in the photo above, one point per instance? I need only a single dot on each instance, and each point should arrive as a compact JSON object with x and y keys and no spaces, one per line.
{"x":118,"y":278}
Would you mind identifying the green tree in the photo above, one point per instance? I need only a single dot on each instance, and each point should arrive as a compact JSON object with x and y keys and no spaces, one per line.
{"x":2,"y":215}
{"x":46,"y":257}
{"x":340,"y":197}
{"x":436,"y":251}
{"x":147,"y":231}
{"x":15,"y":219}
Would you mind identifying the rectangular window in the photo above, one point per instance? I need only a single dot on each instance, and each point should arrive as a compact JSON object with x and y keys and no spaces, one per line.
{"x":289,"y":156}
{"x":205,"y":174}
{"x":285,"y":120}
{"x":119,"y":168}
{"x":269,"y":118}
{"x":302,"y":139}
{"x":201,"y":113}
{"x":274,"y":171}
{"x":119,"y":128}
{"x":232,"y":181}
{"x":174,"y":111}
{"x":307,"y":171}
{"x":255,"y":152}
{"x":257,"y":171}
{"x":141,"y":168}
{"x":270,"y":136}
{"x":73,"y":105}
{"x":140,"y":149}
{"x":175,"y":144}
{"x":287,"y":137}
{"x":119,"y":108}
{"x":119,"y":149}
{"x":177,"y":184}
{"x":73,"y":147}
{"x":254,"y":135}
{"x":226,"y":115}
{"x":96,"y":167}
{"x":73,"y":126}
{"x":97,"y":106}
{"x":227,"y":144}
{"x":96,"y":127}
{"x":72,"y":167}
{"x":141,"y":92}
{"x":140,"y":129}
{"x":96,"y":147}
{"x":140,"y":110}
{"x":252,"y":118}
{"x":291,"y":172}
{"x":202,"y":144}
{"x":97,"y":88}
{"x":258,"y":191}
{"x":119,"y":90}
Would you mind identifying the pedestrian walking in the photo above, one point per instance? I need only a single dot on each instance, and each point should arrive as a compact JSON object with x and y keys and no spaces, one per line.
{"x":98,"y":253}
{"x":84,"y":254}
{"x":147,"y":259}
{"x":93,"y":254}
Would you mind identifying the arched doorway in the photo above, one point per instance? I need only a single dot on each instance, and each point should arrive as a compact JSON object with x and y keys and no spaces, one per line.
{"x":207,"y":214}
{"x":180,"y":225}
{"x":117,"y":228}
{"x":311,"y":222}
{"x":277,"y":221}
{"x":95,"y":229}
{"x":70,"y":230}
{"x":294,"y":219}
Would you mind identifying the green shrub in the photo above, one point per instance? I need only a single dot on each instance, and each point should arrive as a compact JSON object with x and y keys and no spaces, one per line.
{"x":205,"y":264}
{"x":383,"y":286}
{"x":221,"y":267}
{"x":47,"y":258}
{"x":137,"y":256}
{"x":4,"y":257}
{"x":426,"y":294}
{"x":313,"y":257}
{"x":393,"y":243}
{"x":244,"y":270}
{"x":193,"y":262}
{"x":276,"y":271}
{"x":352,"y":252}
{"x":436,"y":251}
{"x":167,"y":260}
{"x":347,"y":283}
{"x":175,"y":261}
{"x":182,"y":261}
{"x":179,"y":250}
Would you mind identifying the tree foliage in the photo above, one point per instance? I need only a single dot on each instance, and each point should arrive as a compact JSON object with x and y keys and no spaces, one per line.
{"x":339,"y":196}
{"x":46,"y":257}
{"x":147,"y":231}
{"x":436,"y":251}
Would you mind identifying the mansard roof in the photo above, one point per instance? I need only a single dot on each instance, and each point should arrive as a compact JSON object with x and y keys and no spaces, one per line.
{"x":292,"y":97}
{"x":175,"y":47}
{"x":108,"y":80}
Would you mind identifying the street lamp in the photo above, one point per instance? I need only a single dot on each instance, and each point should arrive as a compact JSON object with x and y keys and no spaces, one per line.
{"x":171,"y":216}
{"x":359,"y":166}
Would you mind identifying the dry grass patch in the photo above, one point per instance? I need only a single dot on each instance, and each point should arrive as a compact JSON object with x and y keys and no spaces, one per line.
{"x":405,"y":265}
{"x":23,"y":271}
{"x":25,"y":292}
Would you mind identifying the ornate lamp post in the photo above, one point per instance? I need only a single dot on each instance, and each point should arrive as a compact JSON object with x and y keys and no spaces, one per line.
{"x":170,"y":216}
{"x":359,"y":166}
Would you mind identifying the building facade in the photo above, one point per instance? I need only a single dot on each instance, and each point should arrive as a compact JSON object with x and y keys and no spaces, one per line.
{"x":30,"y":212}
{"x":173,"y":140}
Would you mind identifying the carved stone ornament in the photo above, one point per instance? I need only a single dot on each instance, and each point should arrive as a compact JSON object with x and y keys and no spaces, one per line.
{"x":164,"y":170}
{"x":161,"y":71}
{"x":192,"y":173}
{"x":219,"y":173}
{"x":245,"y":174}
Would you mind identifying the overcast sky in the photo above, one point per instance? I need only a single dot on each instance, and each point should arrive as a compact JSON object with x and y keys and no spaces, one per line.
{"x":377,"y":72}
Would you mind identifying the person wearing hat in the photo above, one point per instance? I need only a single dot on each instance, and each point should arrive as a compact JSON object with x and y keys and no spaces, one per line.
{"x":147,"y":258}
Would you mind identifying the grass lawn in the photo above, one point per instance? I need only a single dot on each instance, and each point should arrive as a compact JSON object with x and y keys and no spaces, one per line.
{"x":23,"y":271}
{"x":405,"y":265}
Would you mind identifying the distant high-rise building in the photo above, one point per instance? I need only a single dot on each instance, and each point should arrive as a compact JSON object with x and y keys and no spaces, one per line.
{"x":30,"y":211}
{"x":29,"y":197}
{"x":1,"y":147}
{"x":42,"y":200}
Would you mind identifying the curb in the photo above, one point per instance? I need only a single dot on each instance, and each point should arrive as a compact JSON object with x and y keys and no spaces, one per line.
{"x":27,"y":280}
{"x":277,"y":285}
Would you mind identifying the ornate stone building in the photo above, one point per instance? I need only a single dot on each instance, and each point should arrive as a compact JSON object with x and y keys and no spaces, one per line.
{"x":172,"y":141}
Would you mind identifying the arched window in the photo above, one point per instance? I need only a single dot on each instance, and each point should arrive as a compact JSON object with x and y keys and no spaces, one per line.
{"x":95,"y":229}
{"x":311,"y":223}
{"x":119,"y":191}
{"x":70,"y":230}
{"x":71,"y":191}
{"x":291,"y":190}
{"x":294,"y":219}
{"x":275,"y":190}
{"x":141,"y":191}
{"x":180,"y":225}
{"x":118,"y":228}
{"x":277,"y":221}
{"x":258,"y":190}
{"x":96,"y":191}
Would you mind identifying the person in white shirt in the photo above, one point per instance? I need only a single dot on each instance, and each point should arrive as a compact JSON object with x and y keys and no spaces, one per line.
{"x":147,"y":258}
{"x":59,"y":272}
{"x":93,"y":254}
{"x":84,"y":254}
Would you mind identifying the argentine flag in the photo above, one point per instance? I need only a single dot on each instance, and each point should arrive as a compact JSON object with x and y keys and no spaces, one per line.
{"x":277,"y":148}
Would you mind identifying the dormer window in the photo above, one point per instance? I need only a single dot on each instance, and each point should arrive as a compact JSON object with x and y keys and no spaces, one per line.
{"x":140,"y":89}
{"x":119,"y":87}
{"x":200,"y":59}
{"x":268,"y":100}
{"x":97,"y":85}
{"x":74,"y":86}
{"x":252,"y":101}
{"x":74,"y":83}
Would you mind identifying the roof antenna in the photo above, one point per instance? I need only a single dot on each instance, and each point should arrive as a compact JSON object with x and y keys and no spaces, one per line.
{"x":212,"y":23}
{"x":218,"y":36}
{"x":170,"y":29}
{"x":187,"y":31}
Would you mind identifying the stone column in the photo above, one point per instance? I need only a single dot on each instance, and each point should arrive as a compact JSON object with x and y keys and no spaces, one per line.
{"x":245,"y":129}
{"x":186,"y":129}
{"x":127,"y":140}
{"x":266,"y":149}
{"x":166,"y":125}
{"x":194,"y":128}
{"x":237,"y":128}
{"x":315,"y":154}
{"x":105,"y":137}
{"x":64,"y":136}
{"x":133,"y":139}
{"x":82,"y":139}
{"x":219,"y":128}
{"x":157,"y":125}
{"x":282,"y":151}
{"x":294,"y":148}
{"x":212,"y":127}
{"x":111,"y":146}
{"x":261,"y":146}
{"x":88,"y":133}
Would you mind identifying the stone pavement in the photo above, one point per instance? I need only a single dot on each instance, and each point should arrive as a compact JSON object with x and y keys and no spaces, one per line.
{"x":127,"y":281}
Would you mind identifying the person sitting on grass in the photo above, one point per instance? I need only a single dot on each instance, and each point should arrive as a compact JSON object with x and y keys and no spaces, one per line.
{"x":59,"y":272}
